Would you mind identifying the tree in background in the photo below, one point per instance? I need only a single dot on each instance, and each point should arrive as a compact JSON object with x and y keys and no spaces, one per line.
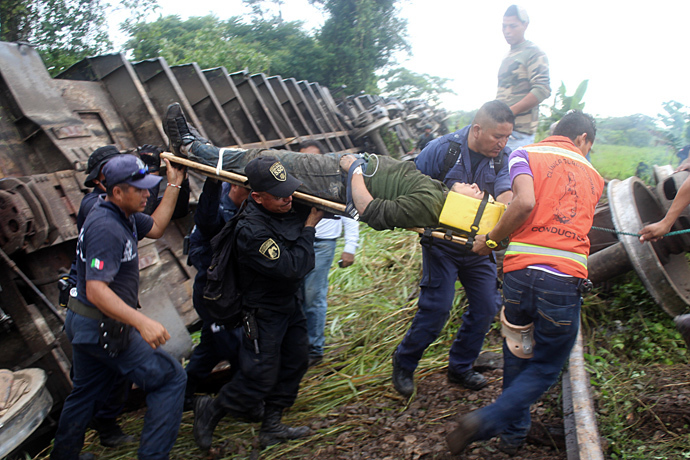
{"x":404,"y":84}
{"x":675,"y":131}
{"x":635,"y":130}
{"x":360,"y":37}
{"x":271,"y":46}
{"x":561,"y":105}
{"x":64,"y":31}
{"x":206,"y":40}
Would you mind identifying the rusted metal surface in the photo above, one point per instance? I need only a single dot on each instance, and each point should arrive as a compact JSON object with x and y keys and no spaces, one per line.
{"x":234,"y":107}
{"x":50,"y":126}
{"x":27,"y":413}
{"x":204,"y":102}
{"x":257,"y":107}
{"x":126,"y":94}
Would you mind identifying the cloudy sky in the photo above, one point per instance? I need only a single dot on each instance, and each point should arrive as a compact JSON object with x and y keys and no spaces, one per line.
{"x":634,"y":54}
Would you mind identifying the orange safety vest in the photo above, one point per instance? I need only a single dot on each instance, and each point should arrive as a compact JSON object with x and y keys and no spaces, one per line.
{"x":567,"y":188}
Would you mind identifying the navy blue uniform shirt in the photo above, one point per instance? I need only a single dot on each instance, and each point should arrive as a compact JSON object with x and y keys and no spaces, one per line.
{"x":107,"y":251}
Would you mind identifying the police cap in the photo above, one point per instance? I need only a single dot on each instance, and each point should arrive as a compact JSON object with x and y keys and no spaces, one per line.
{"x":267,"y":174}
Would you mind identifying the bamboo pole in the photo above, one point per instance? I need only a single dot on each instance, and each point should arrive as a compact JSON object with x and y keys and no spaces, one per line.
{"x":441,"y":235}
{"x":239,"y":179}
{"x":330,"y":206}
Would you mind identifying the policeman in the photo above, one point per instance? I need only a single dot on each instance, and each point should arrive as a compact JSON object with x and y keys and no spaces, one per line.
{"x":274,"y":252}
{"x":481,"y":158}
{"x":218,"y":203}
{"x":109,"y":335}
{"x":105,"y":420}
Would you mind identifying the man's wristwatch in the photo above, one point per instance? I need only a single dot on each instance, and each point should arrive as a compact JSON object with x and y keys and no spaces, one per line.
{"x":491,"y":243}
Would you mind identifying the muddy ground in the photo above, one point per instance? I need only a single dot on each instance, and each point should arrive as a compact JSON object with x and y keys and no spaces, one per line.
{"x":389,"y":427}
{"x":386,"y":430}
{"x":419,"y":431}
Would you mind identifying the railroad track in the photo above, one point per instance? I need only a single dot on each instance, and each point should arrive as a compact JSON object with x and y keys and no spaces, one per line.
{"x":579,"y":417}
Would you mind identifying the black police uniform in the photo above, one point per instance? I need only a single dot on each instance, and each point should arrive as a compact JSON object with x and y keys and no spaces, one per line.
{"x":275,"y":252}
{"x":214,"y":209}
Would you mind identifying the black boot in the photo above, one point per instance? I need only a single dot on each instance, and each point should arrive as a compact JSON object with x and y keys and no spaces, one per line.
{"x":110,"y":433}
{"x":403,"y":380}
{"x":179,"y":131}
{"x":207,"y":414}
{"x":274,"y":432}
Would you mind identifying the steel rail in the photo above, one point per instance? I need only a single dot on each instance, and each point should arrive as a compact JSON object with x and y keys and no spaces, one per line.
{"x":579,"y":416}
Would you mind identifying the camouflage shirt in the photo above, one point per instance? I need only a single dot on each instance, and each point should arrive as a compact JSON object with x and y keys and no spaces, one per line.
{"x":525,"y":70}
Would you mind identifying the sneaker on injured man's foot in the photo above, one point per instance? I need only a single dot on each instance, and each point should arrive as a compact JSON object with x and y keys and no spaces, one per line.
{"x":179,"y":132}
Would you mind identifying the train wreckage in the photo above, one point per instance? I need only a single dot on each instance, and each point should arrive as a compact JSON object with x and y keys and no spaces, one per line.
{"x":50,"y":126}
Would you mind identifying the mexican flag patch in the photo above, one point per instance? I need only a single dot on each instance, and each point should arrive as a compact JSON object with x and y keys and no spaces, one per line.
{"x":97,"y":264}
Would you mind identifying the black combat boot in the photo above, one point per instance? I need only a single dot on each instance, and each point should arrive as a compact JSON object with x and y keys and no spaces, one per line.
{"x":403,"y":380}
{"x":207,"y":414}
{"x":110,"y":433}
{"x":274,"y":432}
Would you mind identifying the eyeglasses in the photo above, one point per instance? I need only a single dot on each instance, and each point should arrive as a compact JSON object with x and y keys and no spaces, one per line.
{"x":139,"y":174}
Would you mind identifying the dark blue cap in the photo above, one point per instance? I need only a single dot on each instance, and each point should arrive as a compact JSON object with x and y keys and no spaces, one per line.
{"x":267,"y":174}
{"x":128,"y":169}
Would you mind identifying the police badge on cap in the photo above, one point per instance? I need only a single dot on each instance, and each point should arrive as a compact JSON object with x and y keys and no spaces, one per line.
{"x":267,"y":174}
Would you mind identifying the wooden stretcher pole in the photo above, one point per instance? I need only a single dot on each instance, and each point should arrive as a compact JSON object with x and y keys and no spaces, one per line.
{"x":332,"y":206}
{"x":441,"y":235}
{"x":239,"y":179}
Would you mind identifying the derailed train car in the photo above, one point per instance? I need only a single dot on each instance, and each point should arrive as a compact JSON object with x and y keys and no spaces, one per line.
{"x":50,"y":126}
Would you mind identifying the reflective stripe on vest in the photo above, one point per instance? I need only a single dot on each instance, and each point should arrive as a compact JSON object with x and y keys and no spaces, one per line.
{"x":553,"y":150}
{"x":525,"y":248}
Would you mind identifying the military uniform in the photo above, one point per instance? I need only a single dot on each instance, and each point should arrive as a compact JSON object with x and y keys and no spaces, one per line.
{"x":524,"y":70}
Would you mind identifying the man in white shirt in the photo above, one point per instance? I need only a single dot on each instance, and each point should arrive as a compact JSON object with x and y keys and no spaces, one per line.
{"x":316,"y":282}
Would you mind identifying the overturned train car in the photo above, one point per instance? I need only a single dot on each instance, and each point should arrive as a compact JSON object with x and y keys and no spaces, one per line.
{"x":50,"y":126}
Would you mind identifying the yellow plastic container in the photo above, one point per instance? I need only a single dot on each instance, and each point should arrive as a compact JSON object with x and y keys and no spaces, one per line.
{"x":459,"y":212}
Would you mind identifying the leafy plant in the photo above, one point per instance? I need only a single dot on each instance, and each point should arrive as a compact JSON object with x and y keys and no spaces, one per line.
{"x":561,"y":105}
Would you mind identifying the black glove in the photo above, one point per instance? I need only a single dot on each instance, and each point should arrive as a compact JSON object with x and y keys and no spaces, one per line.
{"x":151,"y":156}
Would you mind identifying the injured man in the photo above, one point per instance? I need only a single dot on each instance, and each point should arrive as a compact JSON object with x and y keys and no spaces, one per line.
{"x":386,"y":193}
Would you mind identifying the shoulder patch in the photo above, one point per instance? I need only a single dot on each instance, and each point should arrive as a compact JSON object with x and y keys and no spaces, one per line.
{"x":270,"y":249}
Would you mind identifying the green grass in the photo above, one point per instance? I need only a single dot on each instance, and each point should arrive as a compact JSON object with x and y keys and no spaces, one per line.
{"x":629,"y":339}
{"x":621,"y":162}
{"x":370,"y":308}
{"x":637,"y":361}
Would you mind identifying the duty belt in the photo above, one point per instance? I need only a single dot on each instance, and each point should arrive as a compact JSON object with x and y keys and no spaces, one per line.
{"x":82,"y":309}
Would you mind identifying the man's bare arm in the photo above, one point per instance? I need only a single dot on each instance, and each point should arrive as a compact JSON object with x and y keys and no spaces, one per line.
{"x":525,"y":104}
{"x":360,"y":195}
{"x":161,"y":216}
{"x":505,"y":197}
{"x":657,"y":230}
{"x":100,"y":294}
